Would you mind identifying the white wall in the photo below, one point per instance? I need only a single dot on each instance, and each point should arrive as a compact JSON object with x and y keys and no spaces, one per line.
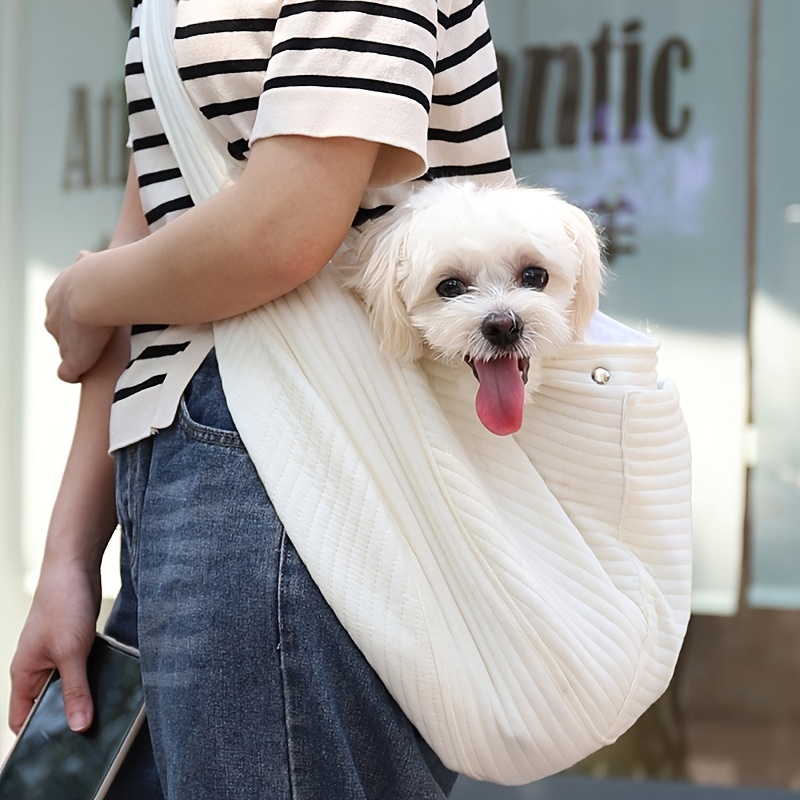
{"x":12,"y":598}
{"x":62,"y":159}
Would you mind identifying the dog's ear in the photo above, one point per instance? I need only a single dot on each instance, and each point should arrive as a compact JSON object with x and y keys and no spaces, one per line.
{"x":380,"y":254}
{"x":589,"y":283}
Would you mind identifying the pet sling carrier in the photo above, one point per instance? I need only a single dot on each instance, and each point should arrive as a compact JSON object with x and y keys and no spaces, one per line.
{"x":524,"y":598}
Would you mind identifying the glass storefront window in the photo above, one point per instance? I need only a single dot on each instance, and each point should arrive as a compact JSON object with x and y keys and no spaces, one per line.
{"x":639,"y":111}
{"x":775,"y":484}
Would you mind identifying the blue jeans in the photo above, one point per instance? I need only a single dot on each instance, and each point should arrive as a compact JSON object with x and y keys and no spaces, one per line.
{"x":253,"y":688}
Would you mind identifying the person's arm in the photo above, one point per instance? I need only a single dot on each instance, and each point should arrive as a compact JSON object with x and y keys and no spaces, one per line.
{"x":249,"y":244}
{"x":60,"y":626}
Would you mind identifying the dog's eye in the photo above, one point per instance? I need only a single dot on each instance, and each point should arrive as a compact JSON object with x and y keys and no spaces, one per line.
{"x":451,"y":287}
{"x":534,"y":278}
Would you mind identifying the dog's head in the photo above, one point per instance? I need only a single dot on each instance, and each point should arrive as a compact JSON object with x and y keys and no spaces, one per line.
{"x":498,"y":277}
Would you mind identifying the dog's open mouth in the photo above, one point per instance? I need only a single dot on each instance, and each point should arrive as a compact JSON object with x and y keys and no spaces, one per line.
{"x":501,"y":394}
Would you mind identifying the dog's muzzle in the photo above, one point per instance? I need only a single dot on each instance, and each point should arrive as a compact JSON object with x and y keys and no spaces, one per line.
{"x":502,"y":329}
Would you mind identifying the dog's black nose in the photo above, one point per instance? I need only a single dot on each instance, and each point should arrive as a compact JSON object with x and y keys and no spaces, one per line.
{"x":502,"y":329}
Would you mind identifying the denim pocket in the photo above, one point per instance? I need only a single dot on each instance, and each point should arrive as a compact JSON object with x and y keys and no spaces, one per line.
{"x":208,"y":434}
{"x":203,"y":413}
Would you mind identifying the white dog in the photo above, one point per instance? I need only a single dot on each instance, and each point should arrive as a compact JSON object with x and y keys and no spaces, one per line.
{"x":497,"y":277}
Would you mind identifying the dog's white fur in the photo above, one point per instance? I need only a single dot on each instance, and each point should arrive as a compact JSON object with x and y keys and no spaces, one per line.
{"x":485,"y":237}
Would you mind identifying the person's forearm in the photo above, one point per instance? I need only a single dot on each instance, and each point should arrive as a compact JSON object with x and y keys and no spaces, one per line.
{"x":60,"y":626}
{"x":246,"y":246}
{"x":84,"y":515}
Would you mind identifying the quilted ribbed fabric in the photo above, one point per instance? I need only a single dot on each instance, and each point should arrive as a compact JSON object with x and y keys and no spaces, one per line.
{"x":524,"y":598}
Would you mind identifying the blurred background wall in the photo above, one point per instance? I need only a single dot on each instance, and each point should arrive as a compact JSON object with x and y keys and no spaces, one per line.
{"x":677,"y":124}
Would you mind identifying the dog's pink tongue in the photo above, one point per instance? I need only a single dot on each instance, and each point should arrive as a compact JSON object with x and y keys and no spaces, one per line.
{"x":501,"y":395}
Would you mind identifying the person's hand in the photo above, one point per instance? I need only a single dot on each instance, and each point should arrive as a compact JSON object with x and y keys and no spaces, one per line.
{"x":79,"y":344}
{"x":58,"y":633}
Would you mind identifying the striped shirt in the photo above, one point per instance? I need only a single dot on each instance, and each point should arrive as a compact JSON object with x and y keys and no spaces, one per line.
{"x":418,"y":76}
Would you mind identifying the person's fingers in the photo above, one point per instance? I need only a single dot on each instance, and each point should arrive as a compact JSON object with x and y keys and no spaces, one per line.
{"x":67,"y":373}
{"x":77,"y":697}
{"x":26,"y":683}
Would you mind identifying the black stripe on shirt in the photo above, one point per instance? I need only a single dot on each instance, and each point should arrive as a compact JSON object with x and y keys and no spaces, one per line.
{"x":245,"y":25}
{"x":373,"y":9}
{"x":150,"y":178}
{"x":459,"y":16}
{"x":160,"y":351}
{"x":147,"y":328}
{"x":223,"y":68}
{"x":467,"y":134}
{"x":488,"y":168}
{"x":341,"y":82}
{"x":238,"y":149}
{"x":134,"y":68}
{"x":137,"y":106}
{"x":135,"y":32}
{"x":355,"y":46}
{"x":230,"y":108}
{"x":155,"y":380}
{"x":178,"y":204}
{"x":366,"y":214}
{"x":462,"y":55}
{"x":148,"y":142}
{"x":466,"y":94}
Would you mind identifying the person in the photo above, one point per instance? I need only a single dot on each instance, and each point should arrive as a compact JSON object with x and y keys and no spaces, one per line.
{"x":253,"y":688}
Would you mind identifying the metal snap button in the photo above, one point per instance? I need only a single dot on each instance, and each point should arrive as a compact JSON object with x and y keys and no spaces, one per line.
{"x":601,"y":375}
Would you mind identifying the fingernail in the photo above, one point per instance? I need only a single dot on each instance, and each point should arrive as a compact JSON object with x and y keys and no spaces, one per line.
{"x":79,"y":721}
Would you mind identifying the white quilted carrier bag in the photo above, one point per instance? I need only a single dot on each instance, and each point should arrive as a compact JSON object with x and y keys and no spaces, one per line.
{"x":524,"y":598}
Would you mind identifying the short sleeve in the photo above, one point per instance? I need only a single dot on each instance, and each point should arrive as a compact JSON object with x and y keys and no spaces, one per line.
{"x":357,"y":69}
